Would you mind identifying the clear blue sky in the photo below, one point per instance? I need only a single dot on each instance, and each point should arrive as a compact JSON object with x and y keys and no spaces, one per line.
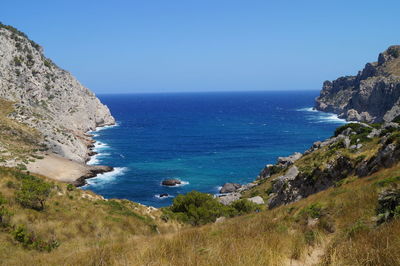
{"x":207,"y":45}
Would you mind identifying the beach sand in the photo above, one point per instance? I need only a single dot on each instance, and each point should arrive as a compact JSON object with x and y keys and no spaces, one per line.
{"x":58,"y":168}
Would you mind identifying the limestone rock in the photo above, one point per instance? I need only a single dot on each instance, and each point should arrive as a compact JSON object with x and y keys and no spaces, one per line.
{"x":256,"y":200}
{"x":229,"y":198}
{"x":48,"y":98}
{"x":289,"y":160}
{"x":229,"y":187}
{"x":373,"y":95}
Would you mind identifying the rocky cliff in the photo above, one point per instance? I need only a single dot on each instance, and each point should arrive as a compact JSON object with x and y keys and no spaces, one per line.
{"x":47,"y":97}
{"x":370,"y":96}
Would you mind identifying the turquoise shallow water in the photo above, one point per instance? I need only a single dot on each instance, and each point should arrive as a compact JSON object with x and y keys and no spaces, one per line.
{"x":203,"y":139}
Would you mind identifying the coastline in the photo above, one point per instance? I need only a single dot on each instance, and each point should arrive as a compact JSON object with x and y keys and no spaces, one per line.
{"x":66,"y":170}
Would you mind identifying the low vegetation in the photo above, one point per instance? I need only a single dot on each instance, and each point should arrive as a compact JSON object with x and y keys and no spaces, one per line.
{"x":17,"y":141}
{"x":198,"y":208}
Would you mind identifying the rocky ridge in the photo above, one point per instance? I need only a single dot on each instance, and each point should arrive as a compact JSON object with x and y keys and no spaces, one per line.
{"x":373,"y":95}
{"x":48,"y":98}
{"x":355,"y":151}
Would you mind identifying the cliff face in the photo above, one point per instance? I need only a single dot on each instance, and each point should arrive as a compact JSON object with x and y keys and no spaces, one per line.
{"x":370,"y":96}
{"x":47,"y":97}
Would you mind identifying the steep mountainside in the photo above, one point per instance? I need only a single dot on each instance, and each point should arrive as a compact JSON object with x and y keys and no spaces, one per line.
{"x":371,"y":96}
{"x":47,"y":97}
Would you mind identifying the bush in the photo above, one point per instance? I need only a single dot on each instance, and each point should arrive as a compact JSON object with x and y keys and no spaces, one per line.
{"x":70,"y":187}
{"x":29,"y":240}
{"x":356,"y":127}
{"x":33,"y":193}
{"x":4,"y":213}
{"x":314,"y":210}
{"x":198,"y":208}
{"x":243,"y":206}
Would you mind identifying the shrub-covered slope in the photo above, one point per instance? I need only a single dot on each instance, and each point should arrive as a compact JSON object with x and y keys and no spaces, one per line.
{"x":351,"y":220}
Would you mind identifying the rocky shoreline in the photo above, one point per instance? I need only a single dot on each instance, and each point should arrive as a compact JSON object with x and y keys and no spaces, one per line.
{"x":372,"y":96}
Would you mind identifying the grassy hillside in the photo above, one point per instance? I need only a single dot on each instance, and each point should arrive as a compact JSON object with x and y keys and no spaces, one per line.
{"x":17,"y":141}
{"x":41,"y":220}
{"x":337,"y":226}
{"x":44,"y":222}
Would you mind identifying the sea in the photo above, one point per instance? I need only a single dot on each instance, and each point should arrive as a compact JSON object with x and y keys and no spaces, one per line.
{"x":203,"y":139}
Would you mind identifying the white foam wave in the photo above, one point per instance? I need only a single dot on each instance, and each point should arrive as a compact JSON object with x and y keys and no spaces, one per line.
{"x":308,"y":109}
{"x":104,"y":178}
{"x":93,"y":160}
{"x":321,"y":117}
{"x":105,"y":127}
{"x":99,"y":145}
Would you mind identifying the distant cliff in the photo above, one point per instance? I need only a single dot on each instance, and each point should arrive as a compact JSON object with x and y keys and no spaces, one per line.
{"x":370,"y":96}
{"x":47,"y":97}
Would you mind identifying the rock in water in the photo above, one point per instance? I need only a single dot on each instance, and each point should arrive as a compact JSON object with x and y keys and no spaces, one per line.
{"x":47,"y":97}
{"x":163,"y":195}
{"x":171,"y":182}
{"x":229,"y":188}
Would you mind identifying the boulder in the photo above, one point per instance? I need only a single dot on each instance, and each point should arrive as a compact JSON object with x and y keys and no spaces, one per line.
{"x":229,"y":188}
{"x":229,"y":198}
{"x":289,"y":160}
{"x":171,"y":182}
{"x":163,"y":195}
{"x":256,"y":200}
{"x":388,"y":205}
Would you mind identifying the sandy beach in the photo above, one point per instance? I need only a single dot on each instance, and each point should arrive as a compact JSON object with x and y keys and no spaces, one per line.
{"x":65,"y":170}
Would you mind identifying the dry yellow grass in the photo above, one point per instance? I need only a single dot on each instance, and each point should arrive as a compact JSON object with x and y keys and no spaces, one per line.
{"x":17,"y":141}
{"x":346,"y":231}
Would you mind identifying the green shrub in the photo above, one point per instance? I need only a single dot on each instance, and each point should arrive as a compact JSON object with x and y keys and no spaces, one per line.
{"x":33,"y":193}
{"x":198,"y":208}
{"x":314,"y":210}
{"x":244,"y":206}
{"x":29,"y":240}
{"x":356,"y":127}
{"x":70,"y":187}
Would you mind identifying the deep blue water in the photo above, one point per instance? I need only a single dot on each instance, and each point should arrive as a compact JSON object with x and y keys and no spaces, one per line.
{"x":204,"y":139}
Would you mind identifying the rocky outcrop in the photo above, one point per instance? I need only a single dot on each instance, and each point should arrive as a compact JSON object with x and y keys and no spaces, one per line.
{"x":47,"y":97}
{"x":295,"y":185}
{"x":92,"y":171}
{"x":388,"y":205}
{"x":257,"y":200}
{"x":171,"y":182}
{"x":283,"y":162}
{"x":229,"y":198}
{"x":370,"y":96}
{"x":229,"y":188}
